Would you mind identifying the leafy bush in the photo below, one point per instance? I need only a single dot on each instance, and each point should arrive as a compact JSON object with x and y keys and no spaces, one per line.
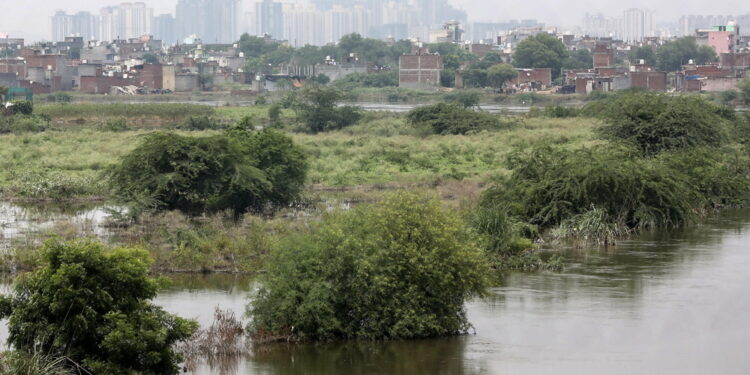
{"x":319,"y":111}
{"x":447,"y":119}
{"x":59,"y":97}
{"x":558,"y":111}
{"x":22,"y":107}
{"x":239,"y":170}
{"x":551,"y":186}
{"x":656,"y":122}
{"x":23,"y":124}
{"x":93,"y":306}
{"x":198,"y":123}
{"x":385,"y":79}
{"x":114,"y":125}
{"x":467,"y":99}
{"x":400,"y":269}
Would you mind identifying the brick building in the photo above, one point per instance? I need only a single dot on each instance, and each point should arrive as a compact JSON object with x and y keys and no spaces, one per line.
{"x":420,"y":69}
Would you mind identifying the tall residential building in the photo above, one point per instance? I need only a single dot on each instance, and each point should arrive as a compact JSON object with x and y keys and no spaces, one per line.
{"x":86,"y":25}
{"x":302,"y":26}
{"x":342,"y":21}
{"x":270,"y":18}
{"x":213,"y":21}
{"x":82,"y":24}
{"x":127,"y":20}
{"x":637,"y":24}
{"x":62,"y":25}
{"x":163,"y":28}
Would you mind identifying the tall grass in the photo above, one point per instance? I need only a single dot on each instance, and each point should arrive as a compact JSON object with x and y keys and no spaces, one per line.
{"x":87,"y":110}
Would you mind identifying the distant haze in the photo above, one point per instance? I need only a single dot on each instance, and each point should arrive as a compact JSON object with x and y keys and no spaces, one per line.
{"x":30,"y":19}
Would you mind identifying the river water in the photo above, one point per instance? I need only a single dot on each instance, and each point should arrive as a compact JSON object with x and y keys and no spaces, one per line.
{"x":673,"y":302}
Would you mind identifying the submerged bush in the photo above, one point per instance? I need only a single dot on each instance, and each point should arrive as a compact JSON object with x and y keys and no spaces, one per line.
{"x":114,"y":125}
{"x":93,"y":306}
{"x":655,"y":122}
{"x":238,"y":170}
{"x":551,"y":187}
{"x":198,"y":123}
{"x":400,"y":269}
{"x":448,"y":119}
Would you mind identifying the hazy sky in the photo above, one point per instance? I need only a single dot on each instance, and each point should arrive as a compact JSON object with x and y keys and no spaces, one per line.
{"x":30,"y":18}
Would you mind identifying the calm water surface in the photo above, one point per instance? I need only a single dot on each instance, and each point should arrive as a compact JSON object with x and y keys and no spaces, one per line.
{"x":662,"y":303}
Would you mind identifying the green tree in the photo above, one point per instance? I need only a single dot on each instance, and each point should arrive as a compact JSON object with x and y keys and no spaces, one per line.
{"x":93,"y":306}
{"x":498,"y":75}
{"x":674,"y":54}
{"x":397,"y":270}
{"x":541,"y":51}
{"x":744,"y":87}
{"x":579,"y":59}
{"x":319,"y":111}
{"x":645,"y":53}
{"x":656,"y":122}
{"x":150,"y":58}
{"x":240,"y":170}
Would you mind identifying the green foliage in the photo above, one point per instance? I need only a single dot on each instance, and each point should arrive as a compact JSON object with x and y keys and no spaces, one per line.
{"x":744,"y":87}
{"x":658,"y":122}
{"x":274,"y":115}
{"x":322,"y":79}
{"x":240,"y":170}
{"x":17,"y":124}
{"x":541,"y":51}
{"x":21,"y":363}
{"x":398,"y":270}
{"x":384,"y":79}
{"x":447,"y":119}
{"x":150,"y":58}
{"x":579,"y":59}
{"x":559,"y":111}
{"x":93,"y":306}
{"x":550,"y":186}
{"x":22,"y":107}
{"x":645,"y":53}
{"x":98,"y":110}
{"x":671,"y":56}
{"x":59,"y":97}
{"x":198,"y":123}
{"x":114,"y":125}
{"x":45,"y":183}
{"x":319,"y":111}
{"x":498,"y":75}
{"x":466,"y":99}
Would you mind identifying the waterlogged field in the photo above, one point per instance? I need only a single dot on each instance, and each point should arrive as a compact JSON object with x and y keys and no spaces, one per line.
{"x":67,"y":163}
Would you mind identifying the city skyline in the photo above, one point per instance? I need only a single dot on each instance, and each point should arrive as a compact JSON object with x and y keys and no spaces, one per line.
{"x":14,"y":20}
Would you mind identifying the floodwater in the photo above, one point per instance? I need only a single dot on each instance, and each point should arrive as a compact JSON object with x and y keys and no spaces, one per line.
{"x":671,"y":302}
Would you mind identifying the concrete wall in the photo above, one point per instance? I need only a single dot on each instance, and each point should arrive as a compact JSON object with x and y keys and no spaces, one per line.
{"x":186,"y":83}
{"x":168,"y":77}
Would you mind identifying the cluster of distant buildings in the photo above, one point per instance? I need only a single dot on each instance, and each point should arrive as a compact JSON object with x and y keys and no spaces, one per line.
{"x":316,"y":22}
{"x":146,"y":64}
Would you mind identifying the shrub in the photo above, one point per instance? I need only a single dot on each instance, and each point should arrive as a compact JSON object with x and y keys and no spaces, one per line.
{"x":656,"y":122}
{"x":239,"y":170}
{"x":22,"y":107}
{"x":549,"y":185}
{"x":59,"y":97}
{"x":114,"y":125}
{"x":198,"y":123}
{"x":23,"y":124}
{"x":274,"y":116}
{"x":467,"y":99}
{"x":447,"y":119}
{"x":93,"y":306}
{"x":605,"y":191}
{"x":319,"y":111}
{"x":558,"y":111}
{"x":400,"y":269}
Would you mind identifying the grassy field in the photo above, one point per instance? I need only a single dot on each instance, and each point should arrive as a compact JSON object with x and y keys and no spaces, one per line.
{"x":382,"y":150}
